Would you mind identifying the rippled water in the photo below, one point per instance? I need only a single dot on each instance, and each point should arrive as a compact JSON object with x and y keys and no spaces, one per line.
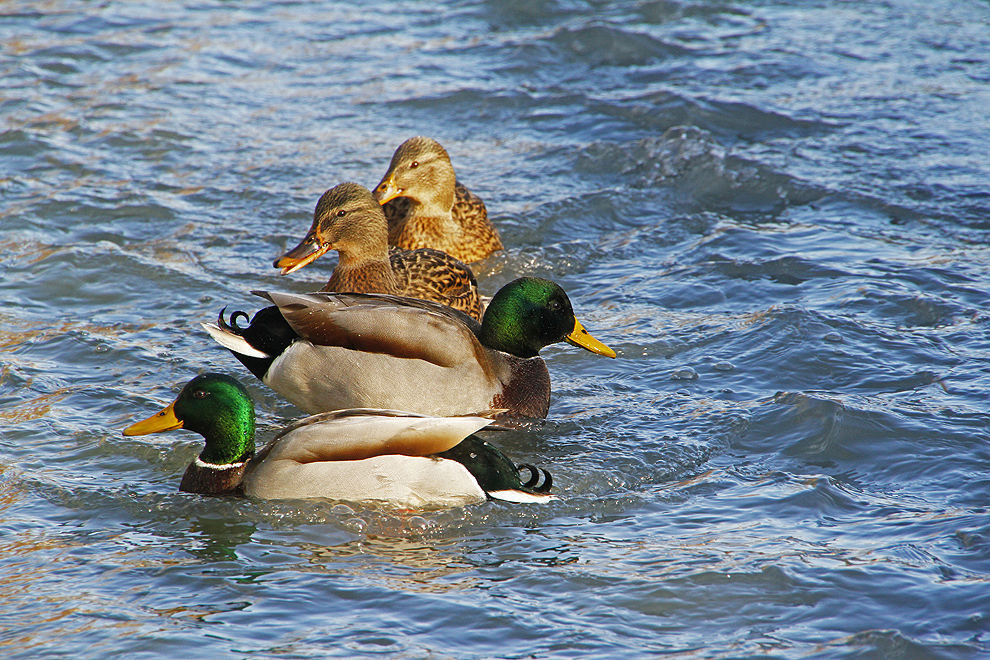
{"x":776,"y":212}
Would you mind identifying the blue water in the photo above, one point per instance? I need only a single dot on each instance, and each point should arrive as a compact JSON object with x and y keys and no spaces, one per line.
{"x":776,"y":212}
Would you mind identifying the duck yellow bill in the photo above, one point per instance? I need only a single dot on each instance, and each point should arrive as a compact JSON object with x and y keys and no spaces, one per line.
{"x":306,"y":252}
{"x":387,"y":190}
{"x":580,"y":337}
{"x":163,"y":421}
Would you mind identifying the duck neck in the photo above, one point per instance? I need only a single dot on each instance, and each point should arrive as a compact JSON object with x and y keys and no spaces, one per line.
{"x":500,"y":331}
{"x":211,"y":479}
{"x":375,"y":276}
{"x":230,"y":439}
{"x":366,"y":243}
{"x":436,"y":204}
{"x":220,"y":466}
{"x":353,"y":256}
{"x":432,"y":208}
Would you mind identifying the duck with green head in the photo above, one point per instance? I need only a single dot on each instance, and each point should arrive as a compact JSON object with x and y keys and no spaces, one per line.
{"x":372,"y":456}
{"x":332,"y":351}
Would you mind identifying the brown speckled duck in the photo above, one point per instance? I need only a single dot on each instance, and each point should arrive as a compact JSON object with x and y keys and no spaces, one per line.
{"x":427,"y":207}
{"x":349,"y":220}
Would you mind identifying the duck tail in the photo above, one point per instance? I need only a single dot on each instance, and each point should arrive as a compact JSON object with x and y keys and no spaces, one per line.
{"x":497,"y":474}
{"x":229,"y":336}
{"x":533,"y":484}
{"x":532,"y":491}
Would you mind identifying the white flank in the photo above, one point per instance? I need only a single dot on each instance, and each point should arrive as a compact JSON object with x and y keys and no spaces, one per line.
{"x":234,"y":342}
{"x":520,"y":497}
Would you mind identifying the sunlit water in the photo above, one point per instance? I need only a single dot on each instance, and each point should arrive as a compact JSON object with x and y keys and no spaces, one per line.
{"x":777,"y":213}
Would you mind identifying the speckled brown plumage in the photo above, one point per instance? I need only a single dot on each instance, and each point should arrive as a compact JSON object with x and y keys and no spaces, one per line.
{"x":427,"y":207}
{"x":349,"y":220}
{"x":431,"y":274}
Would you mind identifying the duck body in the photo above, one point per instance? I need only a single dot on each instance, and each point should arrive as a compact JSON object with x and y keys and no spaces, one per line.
{"x":330,"y":351}
{"x":333,"y":351}
{"x":349,"y":220}
{"x":289,"y":468}
{"x":471,"y":472}
{"x":409,"y":482}
{"x":451,"y":387}
{"x":370,"y":456}
{"x":426,"y":206}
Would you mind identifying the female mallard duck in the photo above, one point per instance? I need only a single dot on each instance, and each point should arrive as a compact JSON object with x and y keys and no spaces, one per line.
{"x":427,"y":207}
{"x":349,"y":220}
{"x":325,"y":351}
{"x":381,"y":456}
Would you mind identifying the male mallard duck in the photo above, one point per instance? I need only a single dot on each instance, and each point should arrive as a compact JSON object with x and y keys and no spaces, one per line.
{"x":325,"y":351}
{"x":430,"y":208}
{"x":381,"y":456}
{"x":349,"y":220}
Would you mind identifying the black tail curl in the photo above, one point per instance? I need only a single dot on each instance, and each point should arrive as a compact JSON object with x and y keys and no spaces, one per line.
{"x":267,"y":331}
{"x":534,"y":479}
{"x":232,"y":326}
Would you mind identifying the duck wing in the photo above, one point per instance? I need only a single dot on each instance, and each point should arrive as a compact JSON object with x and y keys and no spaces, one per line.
{"x":435,"y":275}
{"x":355,"y":434}
{"x":382,"y":324}
{"x":479,"y":237}
{"x":367,"y":456}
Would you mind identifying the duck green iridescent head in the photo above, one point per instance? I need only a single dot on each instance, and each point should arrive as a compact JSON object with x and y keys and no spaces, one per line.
{"x":217,"y":407}
{"x":530,"y":313}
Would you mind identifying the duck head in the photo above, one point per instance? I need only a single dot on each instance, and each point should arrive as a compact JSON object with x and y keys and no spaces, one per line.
{"x":347,"y":219}
{"x":420,"y":170}
{"x":530,"y":313}
{"x":217,"y":407}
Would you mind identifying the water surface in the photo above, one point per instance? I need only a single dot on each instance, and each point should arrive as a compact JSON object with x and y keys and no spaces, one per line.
{"x":777,"y":213}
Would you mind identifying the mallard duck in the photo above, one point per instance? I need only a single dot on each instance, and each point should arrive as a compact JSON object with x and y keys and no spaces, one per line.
{"x":381,"y":456}
{"x":427,"y":207}
{"x":349,"y":220}
{"x":325,"y":351}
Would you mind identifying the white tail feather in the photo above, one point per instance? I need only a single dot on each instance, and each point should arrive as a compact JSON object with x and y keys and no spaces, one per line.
{"x":234,"y":342}
{"x":521,"y":497}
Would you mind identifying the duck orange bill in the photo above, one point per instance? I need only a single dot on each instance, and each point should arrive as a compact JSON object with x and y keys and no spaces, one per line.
{"x":163,"y":421}
{"x":307,"y":251}
{"x":580,"y":337}
{"x":386,"y":191}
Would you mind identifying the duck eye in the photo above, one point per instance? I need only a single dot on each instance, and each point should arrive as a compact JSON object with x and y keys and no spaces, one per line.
{"x":413,"y":165}
{"x":200,"y":394}
{"x":341,"y":213}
